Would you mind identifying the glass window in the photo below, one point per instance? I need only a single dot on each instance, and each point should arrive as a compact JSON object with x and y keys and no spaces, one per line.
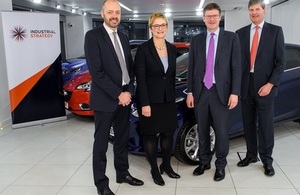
{"x":292,"y":58}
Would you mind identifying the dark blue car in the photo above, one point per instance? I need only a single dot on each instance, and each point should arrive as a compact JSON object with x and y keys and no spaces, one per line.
{"x":287,"y":108}
{"x":73,"y":67}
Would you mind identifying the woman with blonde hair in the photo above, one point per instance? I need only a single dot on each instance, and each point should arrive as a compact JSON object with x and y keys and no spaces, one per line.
{"x":155,"y":69}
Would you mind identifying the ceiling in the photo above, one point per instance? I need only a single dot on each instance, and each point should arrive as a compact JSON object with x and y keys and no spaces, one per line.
{"x":180,"y":9}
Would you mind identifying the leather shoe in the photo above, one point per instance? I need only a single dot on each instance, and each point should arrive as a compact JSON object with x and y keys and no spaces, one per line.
{"x":246,"y":161}
{"x":219,"y":174}
{"x":169,"y":172}
{"x":200,"y":169}
{"x":130,"y":180}
{"x":269,"y":170}
{"x":105,"y":191}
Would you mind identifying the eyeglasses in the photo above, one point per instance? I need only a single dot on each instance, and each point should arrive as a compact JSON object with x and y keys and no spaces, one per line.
{"x":212,"y":17}
{"x":157,"y":26}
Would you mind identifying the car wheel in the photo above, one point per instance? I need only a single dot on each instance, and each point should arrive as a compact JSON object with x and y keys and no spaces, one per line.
{"x":187,"y":143}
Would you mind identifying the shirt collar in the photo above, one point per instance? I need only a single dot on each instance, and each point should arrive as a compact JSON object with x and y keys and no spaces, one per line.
{"x":216,"y":32}
{"x":109,"y":30}
{"x":260,"y":25}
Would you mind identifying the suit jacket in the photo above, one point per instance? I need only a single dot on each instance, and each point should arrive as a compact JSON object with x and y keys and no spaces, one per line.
{"x":270,"y":57}
{"x":105,"y":69}
{"x":153,"y":84}
{"x":227,"y":69}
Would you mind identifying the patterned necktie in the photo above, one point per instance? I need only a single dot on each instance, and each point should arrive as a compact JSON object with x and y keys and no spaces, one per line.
{"x":125,"y":75}
{"x":254,"y":48}
{"x":208,"y":77}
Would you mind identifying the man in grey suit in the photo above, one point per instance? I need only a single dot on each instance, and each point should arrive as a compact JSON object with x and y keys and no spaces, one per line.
{"x":261,"y":77}
{"x":214,"y":83}
{"x":106,"y":50}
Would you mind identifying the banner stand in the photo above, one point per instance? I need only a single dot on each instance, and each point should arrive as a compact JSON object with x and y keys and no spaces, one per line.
{"x":33,"y":61}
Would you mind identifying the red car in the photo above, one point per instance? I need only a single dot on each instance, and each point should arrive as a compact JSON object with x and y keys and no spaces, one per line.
{"x":77,"y":90}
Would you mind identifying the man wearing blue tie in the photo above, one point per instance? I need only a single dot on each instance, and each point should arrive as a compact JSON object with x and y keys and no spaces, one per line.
{"x":214,"y":81}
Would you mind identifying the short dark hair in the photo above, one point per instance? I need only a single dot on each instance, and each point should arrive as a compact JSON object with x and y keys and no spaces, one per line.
{"x":212,"y":6}
{"x":254,"y":2}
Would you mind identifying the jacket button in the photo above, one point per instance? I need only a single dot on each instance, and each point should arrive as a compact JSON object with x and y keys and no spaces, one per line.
{"x":164,"y":77}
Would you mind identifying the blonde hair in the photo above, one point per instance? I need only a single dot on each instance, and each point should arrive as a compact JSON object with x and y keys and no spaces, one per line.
{"x":154,"y":16}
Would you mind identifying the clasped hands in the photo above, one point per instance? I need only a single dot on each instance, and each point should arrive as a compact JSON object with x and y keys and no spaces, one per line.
{"x":124,"y":98}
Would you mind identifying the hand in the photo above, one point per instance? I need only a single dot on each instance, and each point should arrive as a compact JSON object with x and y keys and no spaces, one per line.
{"x":146,"y":111}
{"x":190,"y":101}
{"x":265,"y":89}
{"x":124,"y":98}
{"x":233,"y":101}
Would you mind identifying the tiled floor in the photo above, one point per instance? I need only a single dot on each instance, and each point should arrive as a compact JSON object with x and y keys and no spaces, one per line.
{"x":55,"y":158}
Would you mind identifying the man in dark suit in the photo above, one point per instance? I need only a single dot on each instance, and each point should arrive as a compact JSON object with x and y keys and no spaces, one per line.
{"x":261,"y":77}
{"x":214,"y":78}
{"x":106,"y":49}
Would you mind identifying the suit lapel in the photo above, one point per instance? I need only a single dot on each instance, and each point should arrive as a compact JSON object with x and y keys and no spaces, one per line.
{"x":170,"y":60}
{"x":155,"y":55}
{"x":263,"y":38}
{"x":247,"y":37}
{"x":202,"y":46}
{"x":219,"y":46}
{"x":109,"y":43}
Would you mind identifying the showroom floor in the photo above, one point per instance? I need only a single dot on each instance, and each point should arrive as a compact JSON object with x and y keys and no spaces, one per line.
{"x":55,"y":158}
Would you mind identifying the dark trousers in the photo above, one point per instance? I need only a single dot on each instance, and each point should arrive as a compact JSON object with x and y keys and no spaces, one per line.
{"x":103,"y":122}
{"x":258,"y":110}
{"x":210,"y":111}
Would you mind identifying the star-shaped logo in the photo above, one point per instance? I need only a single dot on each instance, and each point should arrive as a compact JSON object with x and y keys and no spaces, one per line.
{"x":18,"y":33}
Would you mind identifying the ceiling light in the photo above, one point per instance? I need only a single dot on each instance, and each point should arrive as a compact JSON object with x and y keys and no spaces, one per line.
{"x":125,"y":7}
{"x":57,"y":5}
{"x":201,"y":4}
{"x":167,"y":10}
{"x":73,"y":10}
{"x":199,"y":13}
{"x":135,"y":15}
{"x":84,"y":13}
{"x":37,"y":1}
{"x":168,"y":14}
{"x":266,"y":1}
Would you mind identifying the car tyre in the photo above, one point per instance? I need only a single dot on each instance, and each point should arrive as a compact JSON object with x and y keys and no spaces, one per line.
{"x":187,"y":143}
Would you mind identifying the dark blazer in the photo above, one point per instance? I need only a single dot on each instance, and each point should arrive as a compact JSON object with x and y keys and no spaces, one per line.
{"x":270,"y":58}
{"x":227,"y":65}
{"x":105,"y":69}
{"x":154,"y":85}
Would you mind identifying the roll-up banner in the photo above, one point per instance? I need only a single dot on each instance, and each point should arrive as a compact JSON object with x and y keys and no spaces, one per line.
{"x":32,"y":50}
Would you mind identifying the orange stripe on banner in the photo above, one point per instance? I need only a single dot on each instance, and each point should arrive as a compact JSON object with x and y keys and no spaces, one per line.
{"x":18,"y":93}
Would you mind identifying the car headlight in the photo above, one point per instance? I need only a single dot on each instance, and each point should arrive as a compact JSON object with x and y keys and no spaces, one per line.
{"x":76,"y":70}
{"x":65,"y":72}
{"x":85,"y":86}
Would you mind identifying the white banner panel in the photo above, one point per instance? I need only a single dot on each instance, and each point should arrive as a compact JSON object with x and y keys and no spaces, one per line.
{"x":32,"y":48}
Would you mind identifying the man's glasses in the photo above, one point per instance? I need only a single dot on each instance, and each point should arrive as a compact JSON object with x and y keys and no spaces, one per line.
{"x":157,"y":26}
{"x":211,"y":17}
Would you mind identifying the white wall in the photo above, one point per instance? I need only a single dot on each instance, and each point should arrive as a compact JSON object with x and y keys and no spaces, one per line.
{"x":5,"y":117}
{"x":76,"y":27}
{"x":234,"y":20}
{"x":287,"y":16}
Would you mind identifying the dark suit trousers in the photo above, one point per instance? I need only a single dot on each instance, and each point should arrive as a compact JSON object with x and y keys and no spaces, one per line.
{"x":103,"y":122}
{"x":210,"y":111}
{"x":258,"y":110}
